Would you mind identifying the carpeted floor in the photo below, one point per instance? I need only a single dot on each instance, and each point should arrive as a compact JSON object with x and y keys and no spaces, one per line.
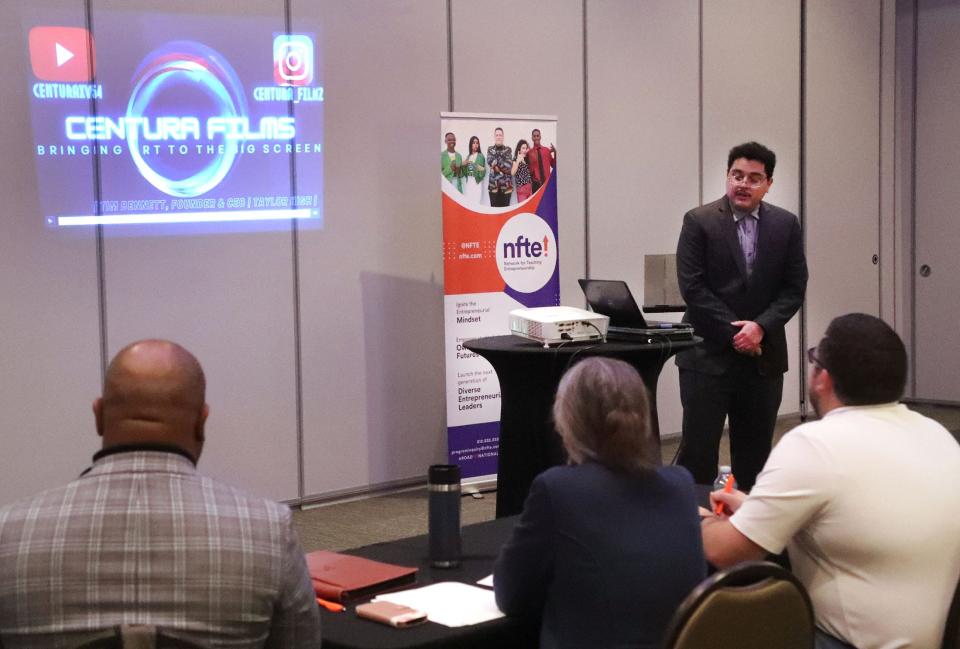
{"x":359,"y":522}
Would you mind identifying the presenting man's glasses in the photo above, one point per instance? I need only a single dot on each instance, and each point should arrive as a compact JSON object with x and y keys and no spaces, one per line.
{"x":750,"y":180}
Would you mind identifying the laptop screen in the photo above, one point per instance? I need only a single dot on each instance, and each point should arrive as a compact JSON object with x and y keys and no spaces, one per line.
{"x":613,"y":298}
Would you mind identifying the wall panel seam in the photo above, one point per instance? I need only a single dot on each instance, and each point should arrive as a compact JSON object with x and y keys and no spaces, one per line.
{"x":913,"y":192}
{"x":801,"y":202}
{"x":879,"y":253}
{"x":450,"y":55}
{"x":700,"y":102}
{"x":97,"y":196}
{"x":586,"y":147}
{"x":896,"y":242}
{"x":295,"y":269}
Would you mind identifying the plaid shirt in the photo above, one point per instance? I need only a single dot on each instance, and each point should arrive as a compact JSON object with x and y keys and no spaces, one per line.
{"x":142,"y":538}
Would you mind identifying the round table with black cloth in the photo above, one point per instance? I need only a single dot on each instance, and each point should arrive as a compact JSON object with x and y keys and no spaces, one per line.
{"x":529,"y":374}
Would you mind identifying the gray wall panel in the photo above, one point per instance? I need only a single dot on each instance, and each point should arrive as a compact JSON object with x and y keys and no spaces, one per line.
{"x":229,"y":300}
{"x":371,"y":283}
{"x":937,"y":302}
{"x":843,"y":159}
{"x":495,"y":70}
{"x":644,"y":143}
{"x":49,"y":355}
{"x":751,"y":91}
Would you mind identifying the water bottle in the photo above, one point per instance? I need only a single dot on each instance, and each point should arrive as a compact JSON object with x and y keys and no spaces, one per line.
{"x":444,"y":487}
{"x":724,"y":474}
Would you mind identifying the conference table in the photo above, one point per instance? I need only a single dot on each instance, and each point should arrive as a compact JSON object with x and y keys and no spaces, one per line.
{"x":529,"y":374}
{"x":481,"y":544}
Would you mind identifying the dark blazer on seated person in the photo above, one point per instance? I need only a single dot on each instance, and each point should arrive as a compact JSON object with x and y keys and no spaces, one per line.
{"x":604,"y":557}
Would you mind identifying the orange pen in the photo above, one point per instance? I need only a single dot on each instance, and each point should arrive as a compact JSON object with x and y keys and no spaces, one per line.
{"x":727,"y":488}
{"x":331,"y":606}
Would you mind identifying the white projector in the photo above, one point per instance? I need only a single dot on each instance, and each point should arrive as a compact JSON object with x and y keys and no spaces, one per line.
{"x":557,"y":324}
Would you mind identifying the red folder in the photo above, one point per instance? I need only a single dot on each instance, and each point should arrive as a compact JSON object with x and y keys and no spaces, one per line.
{"x":342,"y":577}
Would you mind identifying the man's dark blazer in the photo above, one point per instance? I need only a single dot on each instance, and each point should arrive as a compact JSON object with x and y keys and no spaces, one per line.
{"x":713,"y":281}
{"x":605,"y":558}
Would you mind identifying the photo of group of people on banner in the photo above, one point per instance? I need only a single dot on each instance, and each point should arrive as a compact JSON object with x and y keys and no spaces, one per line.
{"x":500,"y":174}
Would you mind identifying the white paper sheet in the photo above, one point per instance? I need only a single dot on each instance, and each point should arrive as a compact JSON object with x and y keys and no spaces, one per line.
{"x":449,"y":603}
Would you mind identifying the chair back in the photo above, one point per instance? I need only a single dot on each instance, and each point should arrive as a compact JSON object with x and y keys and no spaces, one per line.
{"x":951,"y":634}
{"x":754,"y":605}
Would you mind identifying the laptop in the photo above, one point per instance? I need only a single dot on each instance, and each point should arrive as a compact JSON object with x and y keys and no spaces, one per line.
{"x":613,"y":298}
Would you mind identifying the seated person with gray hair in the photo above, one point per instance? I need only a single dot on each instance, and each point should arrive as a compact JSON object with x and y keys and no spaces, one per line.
{"x":607,"y":547}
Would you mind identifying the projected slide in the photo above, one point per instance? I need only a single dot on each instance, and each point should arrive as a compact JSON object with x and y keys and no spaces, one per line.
{"x":161,"y":119}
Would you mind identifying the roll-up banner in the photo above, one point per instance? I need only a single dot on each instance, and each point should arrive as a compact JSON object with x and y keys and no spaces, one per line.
{"x":498,"y":178}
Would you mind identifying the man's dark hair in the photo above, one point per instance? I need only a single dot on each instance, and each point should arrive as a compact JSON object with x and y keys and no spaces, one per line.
{"x":753,"y":151}
{"x":865,"y":358}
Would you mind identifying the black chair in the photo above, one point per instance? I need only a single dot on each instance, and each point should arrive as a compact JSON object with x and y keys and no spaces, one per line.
{"x":753,"y":605}
{"x":951,"y":634}
{"x":135,"y":636}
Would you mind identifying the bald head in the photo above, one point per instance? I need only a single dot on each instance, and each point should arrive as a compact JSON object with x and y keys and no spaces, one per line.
{"x":153,"y":393}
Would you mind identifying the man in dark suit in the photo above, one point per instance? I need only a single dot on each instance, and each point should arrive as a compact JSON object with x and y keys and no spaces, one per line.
{"x":742,"y":274}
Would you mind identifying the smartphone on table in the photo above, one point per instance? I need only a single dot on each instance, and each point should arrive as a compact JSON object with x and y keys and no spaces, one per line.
{"x":396,"y":615}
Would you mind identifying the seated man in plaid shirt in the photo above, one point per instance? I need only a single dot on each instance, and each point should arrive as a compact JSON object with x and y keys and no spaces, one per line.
{"x":142,"y":538}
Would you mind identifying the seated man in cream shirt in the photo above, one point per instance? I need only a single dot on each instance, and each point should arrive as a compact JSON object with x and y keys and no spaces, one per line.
{"x":865,"y":500}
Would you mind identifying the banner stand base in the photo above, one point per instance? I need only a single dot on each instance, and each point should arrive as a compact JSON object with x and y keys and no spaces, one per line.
{"x":479,"y":485}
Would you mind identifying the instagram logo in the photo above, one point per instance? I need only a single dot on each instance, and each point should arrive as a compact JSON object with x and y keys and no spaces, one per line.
{"x":292,"y":60}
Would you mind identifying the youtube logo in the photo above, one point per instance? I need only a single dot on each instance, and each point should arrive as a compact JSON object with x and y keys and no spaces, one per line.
{"x":61,"y":53}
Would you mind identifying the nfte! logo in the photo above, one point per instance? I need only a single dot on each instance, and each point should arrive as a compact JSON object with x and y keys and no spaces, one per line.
{"x":523,"y":248}
{"x":526,"y":255}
